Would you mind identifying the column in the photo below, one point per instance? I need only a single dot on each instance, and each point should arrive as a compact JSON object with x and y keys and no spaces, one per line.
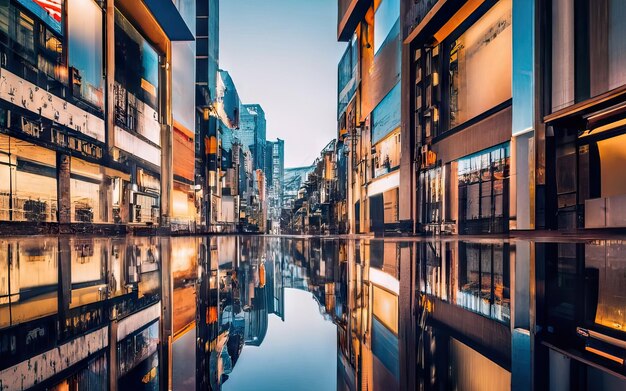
{"x":63,"y":191}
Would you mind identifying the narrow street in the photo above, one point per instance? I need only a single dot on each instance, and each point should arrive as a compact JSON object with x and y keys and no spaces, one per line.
{"x":341,"y":195}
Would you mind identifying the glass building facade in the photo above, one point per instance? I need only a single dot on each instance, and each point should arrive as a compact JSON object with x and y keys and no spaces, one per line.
{"x":59,"y":160}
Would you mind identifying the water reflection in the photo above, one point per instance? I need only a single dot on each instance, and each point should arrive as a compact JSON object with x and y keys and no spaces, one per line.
{"x":292,"y":313}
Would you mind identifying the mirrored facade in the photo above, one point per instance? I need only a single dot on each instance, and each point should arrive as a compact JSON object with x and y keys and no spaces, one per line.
{"x":209,"y":313}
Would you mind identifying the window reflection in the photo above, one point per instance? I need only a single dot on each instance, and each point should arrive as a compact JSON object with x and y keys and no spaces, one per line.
{"x":33,"y":49}
{"x":90,"y":192}
{"x":136,"y":82}
{"x":387,"y":158}
{"x":387,"y":14}
{"x":472,"y":69}
{"x":475,"y":276}
{"x":483,"y":191}
{"x":28,"y":186}
{"x":432,"y":183}
{"x":85,"y":50}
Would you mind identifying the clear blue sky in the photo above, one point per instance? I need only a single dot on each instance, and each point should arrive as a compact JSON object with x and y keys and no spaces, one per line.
{"x":283,"y":54}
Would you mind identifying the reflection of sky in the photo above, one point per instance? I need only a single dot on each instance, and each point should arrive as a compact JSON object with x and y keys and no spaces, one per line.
{"x":85,"y":26}
{"x":150,"y":62}
{"x":184,"y":361}
{"x":297,"y":354}
{"x":386,"y":15}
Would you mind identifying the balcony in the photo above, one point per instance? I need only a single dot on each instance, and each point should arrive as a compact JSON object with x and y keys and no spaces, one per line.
{"x":349,"y":14}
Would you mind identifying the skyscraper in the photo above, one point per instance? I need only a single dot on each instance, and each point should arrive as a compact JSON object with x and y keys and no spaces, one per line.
{"x":274,"y":174}
{"x":252,"y":131}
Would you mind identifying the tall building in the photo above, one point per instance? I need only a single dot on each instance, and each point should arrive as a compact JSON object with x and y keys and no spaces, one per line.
{"x":227,"y":106}
{"x":463,"y":109}
{"x":252,"y":132}
{"x":369,"y":111}
{"x":582,"y":177}
{"x":207,"y":65}
{"x":86,"y":134}
{"x":274,"y":173}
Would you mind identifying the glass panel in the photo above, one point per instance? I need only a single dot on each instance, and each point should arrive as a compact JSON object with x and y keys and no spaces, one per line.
{"x":473,"y":201}
{"x":24,"y":35}
{"x":387,"y":14}
{"x":136,"y":82}
{"x":28,"y":185}
{"x":85,"y":50}
{"x":51,"y":59}
{"x":473,"y":70}
{"x":387,"y":155}
{"x":562,"y":53}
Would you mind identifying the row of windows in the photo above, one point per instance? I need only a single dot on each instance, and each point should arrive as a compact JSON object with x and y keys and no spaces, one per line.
{"x":460,"y":76}
{"x":73,"y":60}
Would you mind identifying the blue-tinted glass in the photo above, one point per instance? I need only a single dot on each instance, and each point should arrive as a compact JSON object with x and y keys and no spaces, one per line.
{"x":85,"y":48}
{"x":386,"y":116}
{"x":386,"y":15}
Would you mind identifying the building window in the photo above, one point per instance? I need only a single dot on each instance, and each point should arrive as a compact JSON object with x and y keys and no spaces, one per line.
{"x":480,"y":64}
{"x":607,"y":46}
{"x":483,"y":191}
{"x":136,"y":82}
{"x":28,"y":184}
{"x":386,"y":115}
{"x":387,"y":158}
{"x":386,"y":16}
{"x":432,"y":183}
{"x":86,"y":50}
{"x":89,"y":193}
{"x":346,"y":75}
{"x":562,"y":53}
{"x":51,"y":59}
{"x":25,"y":35}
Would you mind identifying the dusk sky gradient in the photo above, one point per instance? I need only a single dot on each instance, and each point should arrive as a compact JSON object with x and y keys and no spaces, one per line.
{"x":283,"y":54}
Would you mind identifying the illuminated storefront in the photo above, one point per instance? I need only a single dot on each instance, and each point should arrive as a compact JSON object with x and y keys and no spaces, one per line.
{"x":484,"y":191}
{"x":183,"y":196}
{"x":28,"y":184}
{"x":385,"y":177}
{"x":462,"y":101}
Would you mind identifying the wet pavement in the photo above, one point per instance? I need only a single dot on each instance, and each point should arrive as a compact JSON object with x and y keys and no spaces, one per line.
{"x":290,"y":313}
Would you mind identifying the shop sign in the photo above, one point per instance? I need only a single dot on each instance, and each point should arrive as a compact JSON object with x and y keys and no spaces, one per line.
{"x":85,"y":148}
{"x":31,"y":128}
{"x":42,"y":103}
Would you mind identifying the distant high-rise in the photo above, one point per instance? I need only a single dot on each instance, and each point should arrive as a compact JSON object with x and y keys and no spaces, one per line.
{"x":252,"y":131}
{"x":274,"y":174}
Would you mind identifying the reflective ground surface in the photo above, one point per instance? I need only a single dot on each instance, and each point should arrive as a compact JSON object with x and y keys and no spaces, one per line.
{"x":270,"y":313}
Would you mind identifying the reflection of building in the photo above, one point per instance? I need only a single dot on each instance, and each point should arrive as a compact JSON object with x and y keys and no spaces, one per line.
{"x":465,"y":313}
{"x":62,"y":322}
{"x":582,"y":313}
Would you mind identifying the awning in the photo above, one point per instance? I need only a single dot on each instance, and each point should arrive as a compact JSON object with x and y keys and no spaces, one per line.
{"x":170,"y":20}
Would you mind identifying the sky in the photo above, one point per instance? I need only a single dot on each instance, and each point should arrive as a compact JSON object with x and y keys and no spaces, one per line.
{"x":274,"y":366}
{"x":283,"y":54}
